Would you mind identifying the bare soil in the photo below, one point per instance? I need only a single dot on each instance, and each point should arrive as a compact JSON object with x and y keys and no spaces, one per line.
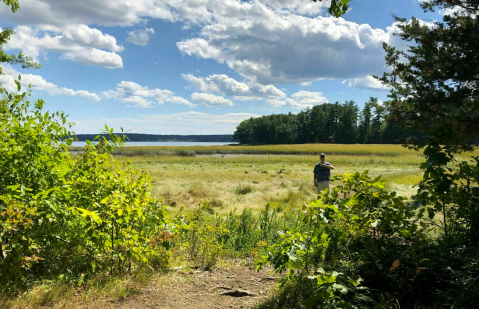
{"x":200,"y":289}
{"x":194,"y":289}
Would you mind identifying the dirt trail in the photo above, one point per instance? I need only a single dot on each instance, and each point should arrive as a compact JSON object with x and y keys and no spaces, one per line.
{"x":199,"y":289}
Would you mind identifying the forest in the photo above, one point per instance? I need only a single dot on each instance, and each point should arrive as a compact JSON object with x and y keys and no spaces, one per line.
{"x":328,"y":123}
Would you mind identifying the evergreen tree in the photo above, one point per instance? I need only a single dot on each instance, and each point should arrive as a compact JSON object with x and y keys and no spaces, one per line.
{"x":364,"y":135}
{"x":435,"y":84}
{"x":327,"y":123}
{"x":377,"y":121}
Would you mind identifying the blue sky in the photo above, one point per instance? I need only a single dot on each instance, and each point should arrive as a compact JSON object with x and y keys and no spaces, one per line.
{"x":199,"y":66}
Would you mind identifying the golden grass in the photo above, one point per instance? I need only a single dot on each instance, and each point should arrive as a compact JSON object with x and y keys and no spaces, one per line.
{"x":353,"y":149}
{"x":229,"y":177}
{"x":251,"y":181}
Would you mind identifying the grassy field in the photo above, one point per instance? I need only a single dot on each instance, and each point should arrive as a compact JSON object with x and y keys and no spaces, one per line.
{"x":227,"y":181}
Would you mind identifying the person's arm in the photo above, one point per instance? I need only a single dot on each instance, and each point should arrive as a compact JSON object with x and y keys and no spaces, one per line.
{"x":330,"y":166}
{"x":315,"y":181}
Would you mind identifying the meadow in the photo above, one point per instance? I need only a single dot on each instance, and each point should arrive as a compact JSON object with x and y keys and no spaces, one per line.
{"x":228,"y":177}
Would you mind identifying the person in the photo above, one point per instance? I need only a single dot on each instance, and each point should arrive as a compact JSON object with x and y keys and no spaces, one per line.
{"x":322,"y":175}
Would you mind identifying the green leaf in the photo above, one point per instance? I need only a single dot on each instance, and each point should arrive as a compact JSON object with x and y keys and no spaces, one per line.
{"x":365,"y":298}
{"x":341,"y":288}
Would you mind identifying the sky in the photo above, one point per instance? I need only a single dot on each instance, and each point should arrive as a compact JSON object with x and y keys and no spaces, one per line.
{"x":199,"y":66}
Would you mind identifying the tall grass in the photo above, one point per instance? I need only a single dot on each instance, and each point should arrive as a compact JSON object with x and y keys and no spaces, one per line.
{"x":251,"y":176}
{"x":307,"y":149}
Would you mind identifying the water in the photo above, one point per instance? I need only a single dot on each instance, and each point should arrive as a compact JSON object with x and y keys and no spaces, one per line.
{"x":133,"y":144}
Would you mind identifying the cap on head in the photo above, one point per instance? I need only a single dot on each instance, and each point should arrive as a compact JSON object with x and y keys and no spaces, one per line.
{"x":321,"y":155}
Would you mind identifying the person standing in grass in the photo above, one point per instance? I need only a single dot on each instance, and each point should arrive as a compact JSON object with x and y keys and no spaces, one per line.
{"x":322,"y":175}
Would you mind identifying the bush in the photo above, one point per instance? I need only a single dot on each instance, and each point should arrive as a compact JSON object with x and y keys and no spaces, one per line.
{"x":68,"y":216}
{"x":346,"y":239}
{"x":199,"y":239}
{"x":364,"y":247}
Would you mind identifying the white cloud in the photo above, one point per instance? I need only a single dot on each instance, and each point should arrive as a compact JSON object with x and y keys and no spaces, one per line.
{"x":128,"y":13}
{"x":102,"y":12}
{"x":369,"y":83}
{"x":95,"y":57}
{"x":39,"y":83}
{"x":300,"y":100}
{"x":177,"y":123}
{"x":209,"y":100}
{"x":78,"y":43}
{"x":88,"y":37}
{"x":225,"y":85}
{"x":266,"y":41}
{"x":136,"y":95}
{"x":140,"y":37}
{"x":200,"y":48}
{"x":268,"y":47}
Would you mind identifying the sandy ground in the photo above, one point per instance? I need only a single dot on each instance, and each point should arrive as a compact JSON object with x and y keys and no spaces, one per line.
{"x":186,"y":288}
{"x":204,"y":290}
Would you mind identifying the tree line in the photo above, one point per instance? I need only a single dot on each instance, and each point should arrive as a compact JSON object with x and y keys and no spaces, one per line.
{"x":337,"y":123}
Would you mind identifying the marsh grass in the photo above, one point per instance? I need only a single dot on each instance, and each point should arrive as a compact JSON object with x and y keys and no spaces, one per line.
{"x":251,"y":176}
{"x":251,"y":181}
{"x":306,"y":149}
{"x":244,"y":189}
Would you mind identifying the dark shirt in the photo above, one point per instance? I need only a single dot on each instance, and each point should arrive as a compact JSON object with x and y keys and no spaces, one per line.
{"x":322,"y":173}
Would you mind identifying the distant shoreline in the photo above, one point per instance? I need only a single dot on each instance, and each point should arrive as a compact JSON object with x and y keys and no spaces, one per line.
{"x":140,"y":137}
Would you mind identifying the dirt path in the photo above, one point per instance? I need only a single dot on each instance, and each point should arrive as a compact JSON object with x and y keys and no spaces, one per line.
{"x":198,"y":289}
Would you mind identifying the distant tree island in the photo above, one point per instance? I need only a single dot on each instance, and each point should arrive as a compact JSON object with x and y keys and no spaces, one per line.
{"x":139,"y":137}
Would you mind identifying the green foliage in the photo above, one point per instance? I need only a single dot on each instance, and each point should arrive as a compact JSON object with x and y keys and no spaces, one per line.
{"x":66,"y":216}
{"x":434,"y":81}
{"x":326,"y":123}
{"x":204,"y":239}
{"x":353,"y":235}
{"x":200,"y":239}
{"x":338,"y":7}
{"x":5,"y":34}
{"x":364,"y":247}
{"x":13,"y":4}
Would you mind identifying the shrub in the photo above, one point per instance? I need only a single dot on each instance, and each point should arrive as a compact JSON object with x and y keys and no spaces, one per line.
{"x":68,"y":216}
{"x":199,"y":239}
{"x":344,"y":240}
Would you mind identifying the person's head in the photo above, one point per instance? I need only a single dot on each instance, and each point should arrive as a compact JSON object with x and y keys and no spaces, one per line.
{"x":322,"y":157}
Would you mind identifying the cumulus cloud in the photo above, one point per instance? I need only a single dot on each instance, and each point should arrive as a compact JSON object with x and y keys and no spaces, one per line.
{"x":136,"y":95}
{"x":39,"y":83}
{"x":227,"y":86}
{"x":210,"y":100}
{"x":266,"y":41}
{"x":102,"y":12}
{"x":140,"y":37}
{"x":300,"y":100}
{"x":78,"y":43}
{"x":291,"y":48}
{"x":368,"y":83}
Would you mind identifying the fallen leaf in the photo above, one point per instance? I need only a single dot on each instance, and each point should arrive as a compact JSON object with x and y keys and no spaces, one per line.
{"x":395,"y":265}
